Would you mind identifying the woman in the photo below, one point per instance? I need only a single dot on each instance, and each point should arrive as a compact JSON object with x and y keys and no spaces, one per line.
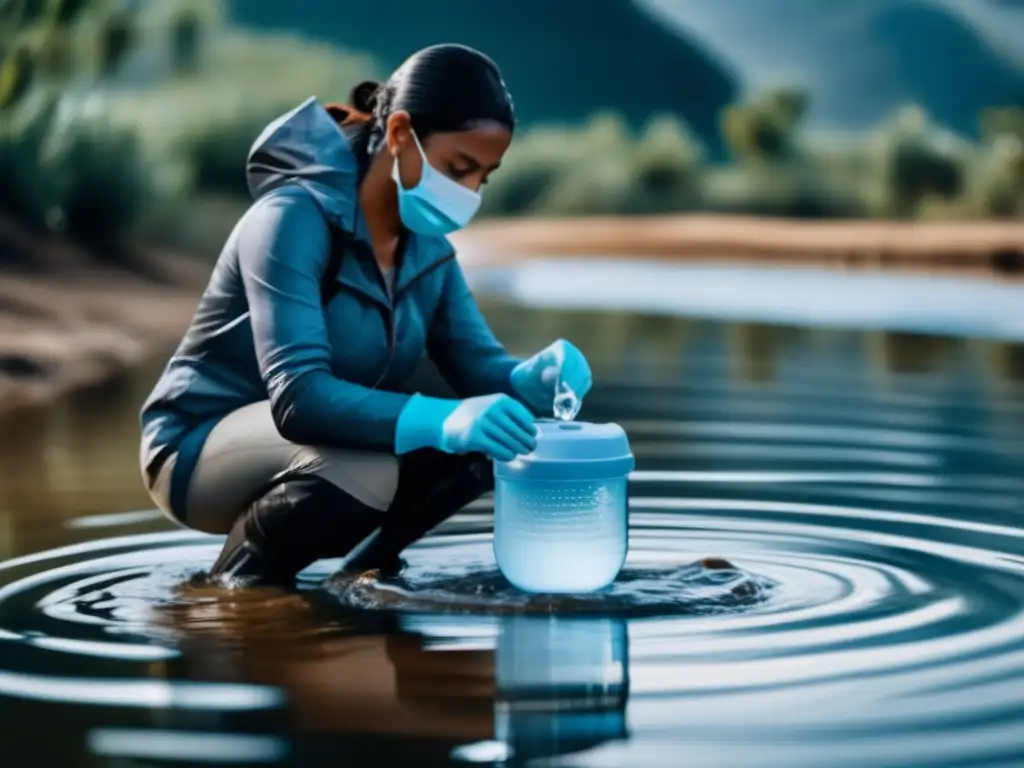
{"x":282,"y":419}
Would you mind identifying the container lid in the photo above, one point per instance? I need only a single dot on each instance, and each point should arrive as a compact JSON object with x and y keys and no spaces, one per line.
{"x":572,"y":450}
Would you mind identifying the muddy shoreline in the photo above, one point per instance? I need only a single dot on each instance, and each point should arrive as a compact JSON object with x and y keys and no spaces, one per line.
{"x":974,"y":247}
{"x":69,"y":319}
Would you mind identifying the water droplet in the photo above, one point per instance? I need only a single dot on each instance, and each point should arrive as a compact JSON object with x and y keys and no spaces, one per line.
{"x":567,"y":404}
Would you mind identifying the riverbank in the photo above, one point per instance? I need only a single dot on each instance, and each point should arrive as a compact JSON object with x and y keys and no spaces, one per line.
{"x":69,"y":319}
{"x":977,"y":247}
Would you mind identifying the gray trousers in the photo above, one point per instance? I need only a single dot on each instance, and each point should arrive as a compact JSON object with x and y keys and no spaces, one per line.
{"x":245,"y":453}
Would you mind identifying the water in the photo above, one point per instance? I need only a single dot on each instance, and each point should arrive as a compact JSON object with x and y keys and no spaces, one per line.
{"x":826,"y":568}
{"x":567,"y":404}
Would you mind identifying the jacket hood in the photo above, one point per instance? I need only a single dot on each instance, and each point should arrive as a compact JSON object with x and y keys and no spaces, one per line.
{"x":307,"y":147}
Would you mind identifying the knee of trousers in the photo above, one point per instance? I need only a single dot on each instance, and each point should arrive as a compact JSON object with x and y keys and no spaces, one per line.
{"x":370,"y":477}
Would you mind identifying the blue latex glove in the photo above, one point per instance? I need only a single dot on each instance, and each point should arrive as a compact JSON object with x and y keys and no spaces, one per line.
{"x":495,"y":425}
{"x":534,"y":380}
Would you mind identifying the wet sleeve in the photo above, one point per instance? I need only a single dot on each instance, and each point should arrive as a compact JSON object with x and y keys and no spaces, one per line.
{"x":462,"y":345}
{"x":283,"y":250}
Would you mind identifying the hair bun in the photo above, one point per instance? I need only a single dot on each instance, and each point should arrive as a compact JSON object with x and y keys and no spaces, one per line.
{"x":339,"y":112}
{"x":364,"y":96}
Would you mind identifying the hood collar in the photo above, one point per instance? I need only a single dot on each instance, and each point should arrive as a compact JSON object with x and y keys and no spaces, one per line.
{"x":306,"y":147}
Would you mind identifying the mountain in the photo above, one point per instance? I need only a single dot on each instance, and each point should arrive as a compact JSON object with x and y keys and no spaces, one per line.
{"x":861,"y":59}
{"x":562,"y":59}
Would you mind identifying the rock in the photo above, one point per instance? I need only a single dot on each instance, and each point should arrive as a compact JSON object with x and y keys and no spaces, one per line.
{"x":717,"y":564}
{"x":1008,"y":260}
{"x":18,"y":366}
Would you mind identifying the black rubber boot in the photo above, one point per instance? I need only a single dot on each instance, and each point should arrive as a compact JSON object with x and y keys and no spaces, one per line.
{"x":432,"y":486}
{"x":295,"y":523}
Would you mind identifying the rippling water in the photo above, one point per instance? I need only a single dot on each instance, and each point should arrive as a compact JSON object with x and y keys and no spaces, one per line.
{"x":826,"y":569}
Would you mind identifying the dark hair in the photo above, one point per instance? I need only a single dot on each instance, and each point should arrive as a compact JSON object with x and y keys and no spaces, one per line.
{"x":443,"y":88}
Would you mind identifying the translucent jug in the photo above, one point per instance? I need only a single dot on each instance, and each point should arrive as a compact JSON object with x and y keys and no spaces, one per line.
{"x":561,"y":513}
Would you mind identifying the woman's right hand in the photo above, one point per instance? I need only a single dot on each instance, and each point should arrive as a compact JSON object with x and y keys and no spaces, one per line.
{"x":496,"y":425}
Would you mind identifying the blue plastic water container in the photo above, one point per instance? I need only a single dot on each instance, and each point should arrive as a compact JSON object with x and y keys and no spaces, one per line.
{"x":561,"y":513}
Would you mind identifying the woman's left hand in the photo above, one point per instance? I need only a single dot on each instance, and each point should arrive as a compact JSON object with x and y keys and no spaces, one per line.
{"x":534,"y":379}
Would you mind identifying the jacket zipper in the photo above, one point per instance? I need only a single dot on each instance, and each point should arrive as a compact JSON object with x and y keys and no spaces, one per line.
{"x":389,"y":317}
{"x":389,"y":321}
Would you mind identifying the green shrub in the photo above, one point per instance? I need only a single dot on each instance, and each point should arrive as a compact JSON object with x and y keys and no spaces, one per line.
{"x":112,"y":118}
{"x":186,"y":42}
{"x":55,"y":53}
{"x":996,"y":184}
{"x":533,"y":163}
{"x":593,"y":173}
{"x":64,"y":12}
{"x":906,"y":168}
{"x":785,"y":106}
{"x":117,"y":38}
{"x":1001,"y":121}
{"x":19,"y":13}
{"x":22,"y":136}
{"x":98,"y":156}
{"x":667,"y":169}
{"x":16,"y":75}
{"x":73,"y":170}
{"x":921,"y":162}
{"x":598,"y":168}
{"x":10,"y":22}
{"x":248,"y":80}
{"x":99,"y":159}
{"x":764,"y":129}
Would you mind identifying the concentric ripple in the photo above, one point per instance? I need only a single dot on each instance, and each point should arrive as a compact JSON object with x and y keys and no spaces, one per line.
{"x":826,"y":571}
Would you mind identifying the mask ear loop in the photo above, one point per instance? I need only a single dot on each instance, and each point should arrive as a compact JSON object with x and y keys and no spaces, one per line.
{"x":419,"y":146}
{"x":425,"y":167}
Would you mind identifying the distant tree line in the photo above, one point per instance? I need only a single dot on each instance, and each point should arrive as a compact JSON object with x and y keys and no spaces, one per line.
{"x":115,"y":116}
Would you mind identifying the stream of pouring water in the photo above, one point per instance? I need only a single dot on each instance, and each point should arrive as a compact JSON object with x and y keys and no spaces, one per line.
{"x":567,"y":404}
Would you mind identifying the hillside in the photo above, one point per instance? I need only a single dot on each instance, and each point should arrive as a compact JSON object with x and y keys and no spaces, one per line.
{"x":861,"y":60}
{"x":562,"y":60}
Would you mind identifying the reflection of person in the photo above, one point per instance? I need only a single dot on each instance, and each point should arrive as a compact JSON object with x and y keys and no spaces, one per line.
{"x":551,"y":685}
{"x":281,"y":419}
{"x":334,"y":681}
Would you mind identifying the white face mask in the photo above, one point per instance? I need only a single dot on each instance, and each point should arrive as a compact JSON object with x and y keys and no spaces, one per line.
{"x":437,"y":205}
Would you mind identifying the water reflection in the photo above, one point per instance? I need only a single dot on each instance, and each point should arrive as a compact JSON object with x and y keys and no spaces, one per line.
{"x":562,"y":685}
{"x":1007,"y":362}
{"x":865,"y":490}
{"x":183,"y":746}
{"x":906,"y":353}
{"x":74,"y":460}
{"x":756,"y":356}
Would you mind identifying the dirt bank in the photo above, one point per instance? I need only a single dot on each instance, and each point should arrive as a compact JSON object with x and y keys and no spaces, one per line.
{"x":965,"y":246}
{"x":68,"y":319}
